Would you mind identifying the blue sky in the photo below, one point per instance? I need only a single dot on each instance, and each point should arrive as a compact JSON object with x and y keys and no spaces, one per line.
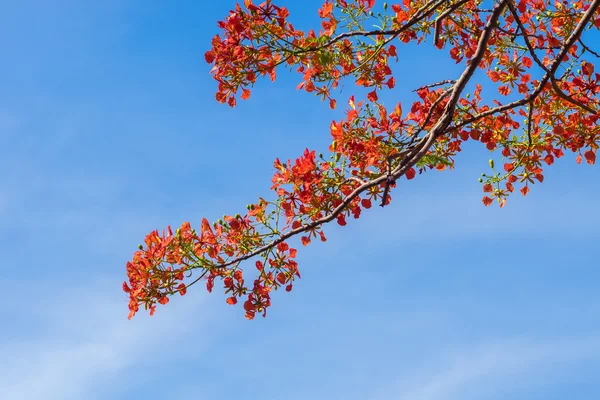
{"x":109,"y":129}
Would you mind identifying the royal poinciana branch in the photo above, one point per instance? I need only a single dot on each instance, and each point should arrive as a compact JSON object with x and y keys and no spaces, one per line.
{"x":520,"y":45}
{"x":447,"y":116}
{"x":550,"y":72}
{"x":423,"y":12}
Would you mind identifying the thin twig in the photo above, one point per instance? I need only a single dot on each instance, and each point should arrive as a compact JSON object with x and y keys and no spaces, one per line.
{"x":553,"y":81}
{"x":440,"y":83}
{"x":586,"y":48}
{"x":440,"y":19}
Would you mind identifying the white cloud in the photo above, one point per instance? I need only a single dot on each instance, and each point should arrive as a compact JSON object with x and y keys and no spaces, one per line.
{"x":85,"y":342}
{"x":485,"y":369}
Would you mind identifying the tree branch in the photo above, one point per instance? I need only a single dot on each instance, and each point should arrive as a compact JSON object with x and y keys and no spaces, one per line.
{"x":416,"y":153}
{"x":575,"y":35}
{"x":440,"y":19}
{"x":440,"y":128}
{"x":553,"y":81}
{"x":426,"y":10}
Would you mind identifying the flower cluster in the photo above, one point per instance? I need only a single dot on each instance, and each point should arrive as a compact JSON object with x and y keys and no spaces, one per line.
{"x":541,"y":100}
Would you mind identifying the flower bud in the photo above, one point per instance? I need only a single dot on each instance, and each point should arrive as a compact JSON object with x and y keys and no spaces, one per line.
{"x":491,"y":163}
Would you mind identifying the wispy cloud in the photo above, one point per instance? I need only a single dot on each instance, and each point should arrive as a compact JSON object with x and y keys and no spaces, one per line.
{"x":83,"y":343}
{"x":472,"y":372}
